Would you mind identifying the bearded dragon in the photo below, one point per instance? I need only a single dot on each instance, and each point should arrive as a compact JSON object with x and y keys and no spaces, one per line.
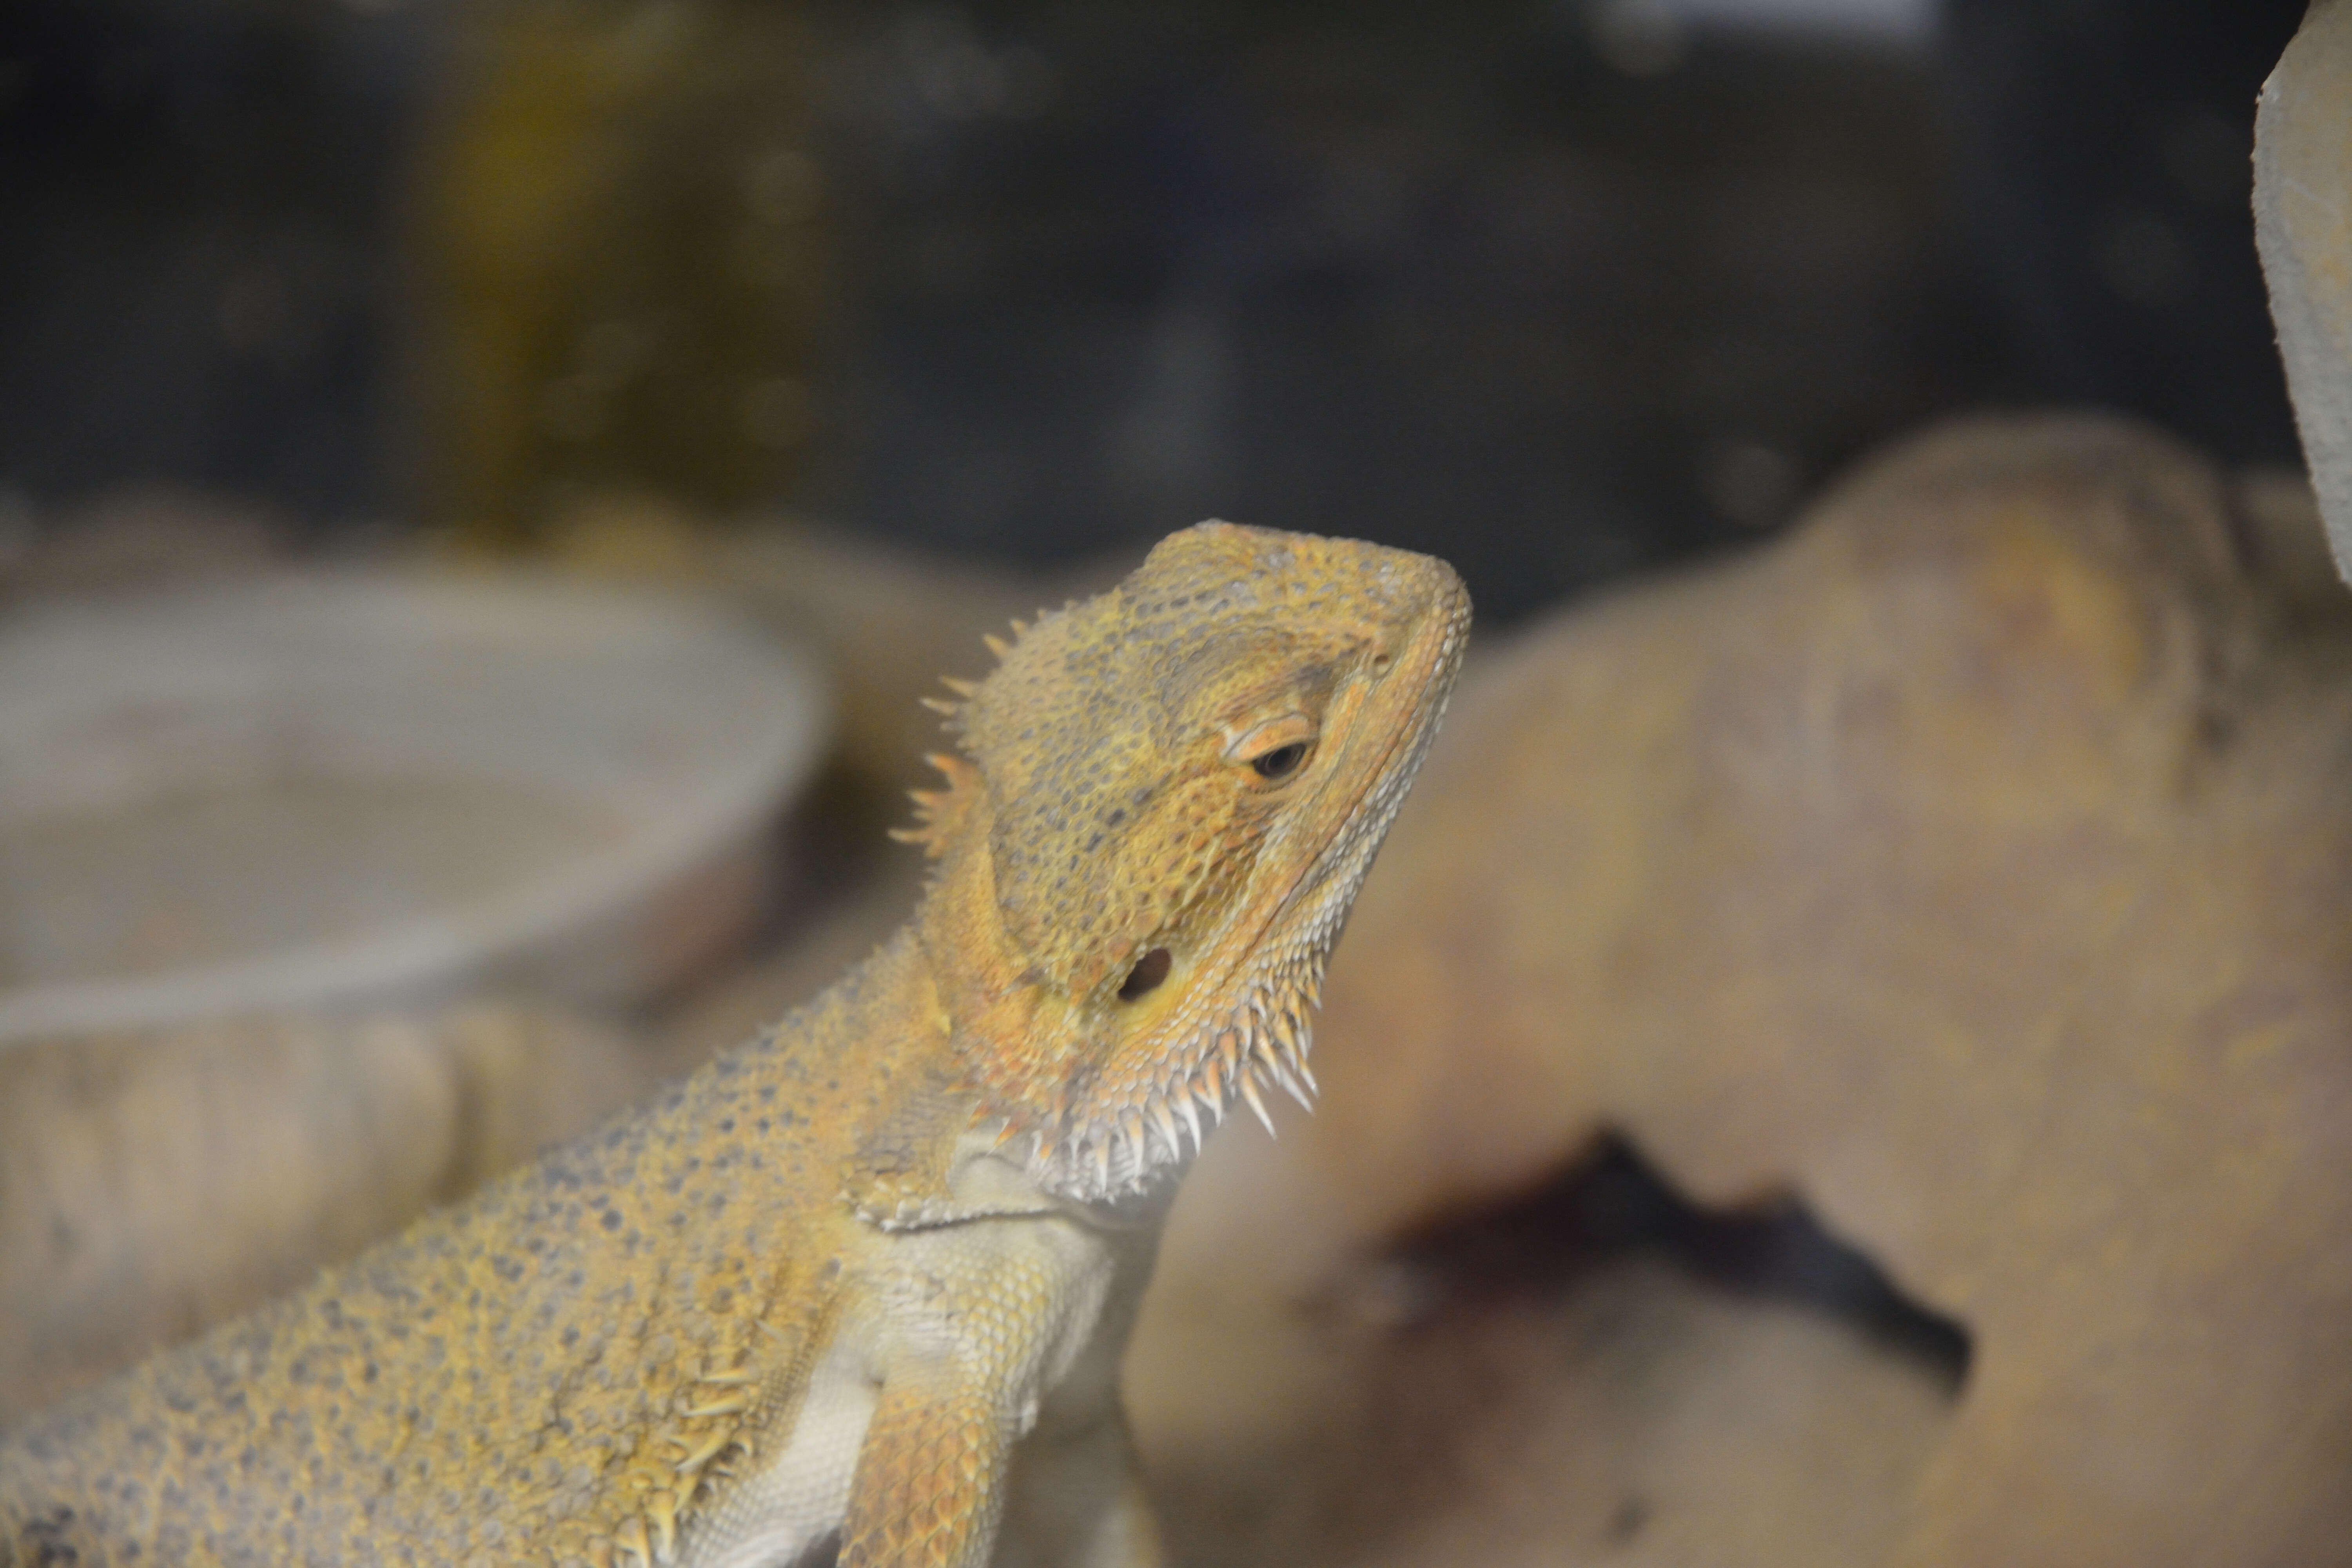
{"x":861,"y":1286}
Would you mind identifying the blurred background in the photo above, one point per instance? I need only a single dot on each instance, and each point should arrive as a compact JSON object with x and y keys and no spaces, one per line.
{"x":482,"y":487}
{"x":1565,"y":288}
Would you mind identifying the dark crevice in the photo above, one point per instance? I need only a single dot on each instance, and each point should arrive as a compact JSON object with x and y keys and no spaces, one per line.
{"x":1611,"y":1204}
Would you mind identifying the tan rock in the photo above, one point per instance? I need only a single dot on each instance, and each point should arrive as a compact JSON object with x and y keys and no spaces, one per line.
{"x":1969,"y":865}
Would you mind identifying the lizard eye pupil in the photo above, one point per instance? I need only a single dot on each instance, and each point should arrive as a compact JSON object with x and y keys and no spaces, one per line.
{"x":1280,"y":762}
{"x":1148,"y":972}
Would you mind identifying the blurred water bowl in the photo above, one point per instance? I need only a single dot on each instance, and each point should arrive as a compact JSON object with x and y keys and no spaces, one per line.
{"x":344,"y":789}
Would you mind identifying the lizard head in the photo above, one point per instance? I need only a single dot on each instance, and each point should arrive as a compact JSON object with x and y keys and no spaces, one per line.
{"x":1167,"y":799}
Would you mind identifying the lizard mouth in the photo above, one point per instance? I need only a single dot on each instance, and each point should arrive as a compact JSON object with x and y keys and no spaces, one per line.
{"x":1247,"y":1027}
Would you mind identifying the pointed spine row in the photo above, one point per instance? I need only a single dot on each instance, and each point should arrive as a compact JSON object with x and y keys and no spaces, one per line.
{"x":648,"y":1537}
{"x":932,"y":817}
{"x":937,"y":811}
{"x":1262,"y":1044}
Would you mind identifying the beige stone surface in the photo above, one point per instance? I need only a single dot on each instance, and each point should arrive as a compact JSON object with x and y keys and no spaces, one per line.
{"x":1972,"y":865}
{"x":891,"y":622}
{"x":1302,"y":1402}
{"x":2303,"y":225}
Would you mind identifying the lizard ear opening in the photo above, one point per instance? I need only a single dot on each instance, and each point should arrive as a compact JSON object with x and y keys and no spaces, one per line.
{"x":1149,"y":971}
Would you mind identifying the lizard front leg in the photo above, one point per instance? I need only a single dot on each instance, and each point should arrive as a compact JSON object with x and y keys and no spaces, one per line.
{"x":938,"y":1470}
{"x":930,"y":1484}
{"x":1006,"y":1329}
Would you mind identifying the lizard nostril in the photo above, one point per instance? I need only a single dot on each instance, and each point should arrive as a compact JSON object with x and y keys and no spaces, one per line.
{"x":1148,"y":972}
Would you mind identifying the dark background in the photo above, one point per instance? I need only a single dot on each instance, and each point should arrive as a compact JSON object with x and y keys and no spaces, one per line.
{"x":1559,"y":290}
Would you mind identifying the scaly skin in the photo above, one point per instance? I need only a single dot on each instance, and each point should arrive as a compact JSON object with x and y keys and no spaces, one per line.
{"x":866,"y":1280}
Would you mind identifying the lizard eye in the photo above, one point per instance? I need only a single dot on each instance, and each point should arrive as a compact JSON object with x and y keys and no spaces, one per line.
{"x":1276,"y":750}
{"x":1280,"y":762}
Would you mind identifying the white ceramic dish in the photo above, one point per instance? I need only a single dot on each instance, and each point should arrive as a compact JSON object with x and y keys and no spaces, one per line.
{"x":374,"y":788}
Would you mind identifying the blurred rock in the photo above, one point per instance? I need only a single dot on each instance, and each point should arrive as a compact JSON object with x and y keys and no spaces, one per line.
{"x":1593,"y":1372}
{"x":2286,"y":538}
{"x":151,"y":1184}
{"x":132,"y":536}
{"x":892,"y":621}
{"x":1969,"y":866}
{"x":895,"y":622}
{"x":2303,"y":220}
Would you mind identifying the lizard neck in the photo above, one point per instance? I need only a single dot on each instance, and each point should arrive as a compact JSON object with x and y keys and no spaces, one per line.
{"x":1096,"y":1119}
{"x":984,"y":994}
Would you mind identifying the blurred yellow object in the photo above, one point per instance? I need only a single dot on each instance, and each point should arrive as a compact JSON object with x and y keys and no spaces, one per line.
{"x":635,"y":538}
{"x":621,"y":256}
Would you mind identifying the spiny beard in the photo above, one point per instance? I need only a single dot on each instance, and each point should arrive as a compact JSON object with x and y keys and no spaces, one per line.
{"x":1260,"y":1044}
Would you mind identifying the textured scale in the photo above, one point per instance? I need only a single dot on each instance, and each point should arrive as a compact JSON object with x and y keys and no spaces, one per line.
{"x":859,"y":1285}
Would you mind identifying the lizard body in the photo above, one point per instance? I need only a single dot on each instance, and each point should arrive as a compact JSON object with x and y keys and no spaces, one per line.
{"x":860,"y":1286}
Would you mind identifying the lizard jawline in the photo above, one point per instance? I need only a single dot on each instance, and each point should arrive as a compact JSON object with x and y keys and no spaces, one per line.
{"x":1121,"y":1149}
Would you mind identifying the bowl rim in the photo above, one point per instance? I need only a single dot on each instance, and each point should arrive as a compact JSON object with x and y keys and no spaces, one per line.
{"x":426,"y":957}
